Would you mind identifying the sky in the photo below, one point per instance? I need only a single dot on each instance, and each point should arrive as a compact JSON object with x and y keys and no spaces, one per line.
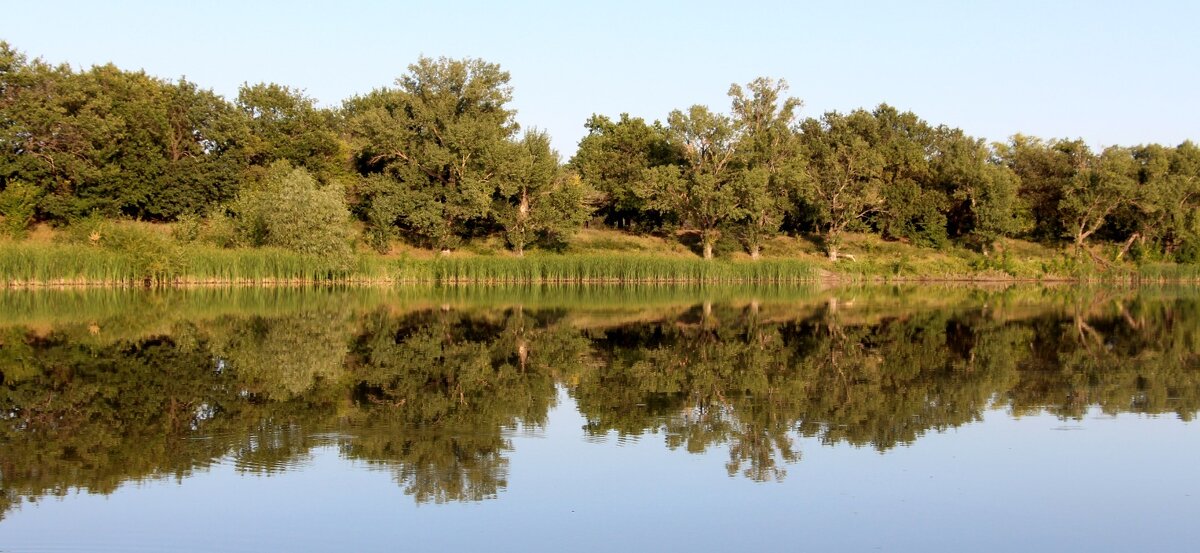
{"x":1107,"y":72}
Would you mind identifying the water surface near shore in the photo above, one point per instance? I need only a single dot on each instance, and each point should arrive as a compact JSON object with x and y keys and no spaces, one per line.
{"x":598,"y":418}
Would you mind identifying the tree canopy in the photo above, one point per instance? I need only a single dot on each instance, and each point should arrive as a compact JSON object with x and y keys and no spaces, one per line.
{"x":438,"y":159}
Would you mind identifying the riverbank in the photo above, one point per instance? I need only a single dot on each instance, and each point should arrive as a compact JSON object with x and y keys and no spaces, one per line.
{"x":596,"y":257}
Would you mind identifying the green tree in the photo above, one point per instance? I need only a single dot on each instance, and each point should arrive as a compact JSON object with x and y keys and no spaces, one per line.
{"x":204,"y":152}
{"x":537,"y":198}
{"x":614,"y":158}
{"x":18,"y":204}
{"x":115,"y":142}
{"x":700,"y":191}
{"x":1045,"y":170}
{"x":844,"y":174}
{"x":767,"y":152}
{"x":1100,"y":186}
{"x":913,"y":208}
{"x":1163,"y":209}
{"x":286,"y":125}
{"x":983,"y":193}
{"x":437,"y":143}
{"x":290,"y":210}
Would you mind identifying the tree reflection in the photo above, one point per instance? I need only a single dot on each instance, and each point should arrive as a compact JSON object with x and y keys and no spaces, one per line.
{"x":438,"y":391}
{"x":434,"y":395}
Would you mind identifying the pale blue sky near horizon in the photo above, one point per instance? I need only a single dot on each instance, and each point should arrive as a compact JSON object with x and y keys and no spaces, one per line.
{"x":1108,"y":72}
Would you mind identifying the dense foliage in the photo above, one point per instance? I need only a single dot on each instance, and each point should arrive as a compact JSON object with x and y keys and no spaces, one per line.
{"x":439,"y":159}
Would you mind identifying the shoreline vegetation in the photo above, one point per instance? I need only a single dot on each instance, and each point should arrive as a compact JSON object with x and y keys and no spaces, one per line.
{"x":110,"y":177}
{"x":39,"y":263}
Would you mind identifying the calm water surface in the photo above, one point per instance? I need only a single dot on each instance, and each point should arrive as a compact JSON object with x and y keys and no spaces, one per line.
{"x":595,"y":419}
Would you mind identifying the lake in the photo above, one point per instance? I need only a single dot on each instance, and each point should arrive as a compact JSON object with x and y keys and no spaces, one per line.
{"x":870,"y":418}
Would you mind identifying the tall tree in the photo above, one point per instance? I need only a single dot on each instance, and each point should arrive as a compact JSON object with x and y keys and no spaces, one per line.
{"x":436,"y":143}
{"x":1099,"y":187}
{"x":287,"y":125}
{"x":767,"y":152}
{"x":843,"y":176}
{"x":114,"y":142}
{"x":1045,"y":170}
{"x":982,"y":193}
{"x":537,"y":198}
{"x":614,"y":158}
{"x":700,"y":191}
{"x":913,"y":208}
{"x":1162,"y":208}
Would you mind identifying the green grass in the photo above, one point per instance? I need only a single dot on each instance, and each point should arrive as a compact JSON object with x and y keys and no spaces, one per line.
{"x":130,"y":254}
{"x":28,"y":264}
{"x":1169,"y":272}
{"x":33,"y":264}
{"x":609,"y":268}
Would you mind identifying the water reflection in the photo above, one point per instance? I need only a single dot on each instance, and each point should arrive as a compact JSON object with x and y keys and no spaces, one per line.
{"x":432,"y":392}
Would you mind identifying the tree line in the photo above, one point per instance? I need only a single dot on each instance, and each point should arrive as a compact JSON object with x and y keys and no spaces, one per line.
{"x":438,"y":158}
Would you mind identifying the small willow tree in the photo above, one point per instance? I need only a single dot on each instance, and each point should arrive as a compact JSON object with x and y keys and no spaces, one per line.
{"x":537,"y":200}
{"x":290,"y":210}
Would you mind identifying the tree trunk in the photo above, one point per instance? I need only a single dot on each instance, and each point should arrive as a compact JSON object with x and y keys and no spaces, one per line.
{"x":1125,"y":248}
{"x":708,"y":249}
{"x":831,"y":240}
{"x":754,"y":251}
{"x":520,"y":249}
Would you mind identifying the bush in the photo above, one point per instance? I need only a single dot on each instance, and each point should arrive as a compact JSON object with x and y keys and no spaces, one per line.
{"x":18,"y":203}
{"x":289,"y":210}
{"x":187,"y":228}
{"x":146,"y":254}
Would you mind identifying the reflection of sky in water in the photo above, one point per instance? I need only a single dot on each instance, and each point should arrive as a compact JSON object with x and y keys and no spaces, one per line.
{"x":337,"y":427}
{"x":1119,"y":483}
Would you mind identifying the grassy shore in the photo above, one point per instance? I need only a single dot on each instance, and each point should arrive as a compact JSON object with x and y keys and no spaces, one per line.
{"x":151,"y":259}
{"x":65,"y":265}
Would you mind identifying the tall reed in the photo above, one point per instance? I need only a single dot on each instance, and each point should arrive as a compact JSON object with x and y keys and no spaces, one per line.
{"x":80,"y":264}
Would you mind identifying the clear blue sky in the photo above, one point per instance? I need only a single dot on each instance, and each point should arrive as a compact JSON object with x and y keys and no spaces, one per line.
{"x":1107,"y":72}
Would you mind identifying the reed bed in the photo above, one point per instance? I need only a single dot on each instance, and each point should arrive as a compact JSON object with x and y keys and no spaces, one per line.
{"x":23,"y":264}
{"x":616,"y":269}
{"x":1169,"y":272}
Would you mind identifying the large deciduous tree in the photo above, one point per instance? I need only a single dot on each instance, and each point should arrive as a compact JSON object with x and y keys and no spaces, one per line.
{"x":700,"y":191}
{"x":1099,"y":187}
{"x":286,"y":125}
{"x":843,"y":176}
{"x":613,"y":159}
{"x":434,"y":146}
{"x":1045,"y":170}
{"x":114,"y":142}
{"x":913,"y":209}
{"x":766,"y":158}
{"x":984,"y":205}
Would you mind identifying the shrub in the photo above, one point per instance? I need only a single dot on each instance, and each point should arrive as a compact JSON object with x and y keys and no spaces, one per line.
{"x":143,"y":254}
{"x":290,"y":210}
{"x":18,"y":203}
{"x":219,"y":229}
{"x":187,"y":228}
